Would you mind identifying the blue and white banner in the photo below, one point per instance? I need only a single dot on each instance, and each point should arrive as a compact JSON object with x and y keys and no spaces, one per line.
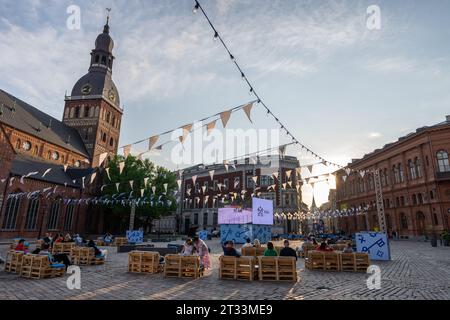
{"x":375,"y":244}
{"x":262,"y":212}
{"x":135,"y":236}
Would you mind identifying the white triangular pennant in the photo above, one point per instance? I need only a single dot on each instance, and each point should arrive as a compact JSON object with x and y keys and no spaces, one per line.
{"x":194,"y":178}
{"x":152,"y":141}
{"x":93,"y":176}
{"x":211,"y":174}
{"x":210,"y":127}
{"x":46,"y":172}
{"x":102,"y":157}
{"x":121,"y":167}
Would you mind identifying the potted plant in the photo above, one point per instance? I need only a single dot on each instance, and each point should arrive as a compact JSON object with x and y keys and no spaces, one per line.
{"x":446,"y":238}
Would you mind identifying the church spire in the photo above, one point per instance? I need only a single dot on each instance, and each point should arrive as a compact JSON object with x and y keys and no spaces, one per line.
{"x":106,"y":28}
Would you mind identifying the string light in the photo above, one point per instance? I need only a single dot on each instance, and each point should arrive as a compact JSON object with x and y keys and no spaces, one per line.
{"x":216,"y":36}
{"x":196,"y":7}
{"x":244,"y":78}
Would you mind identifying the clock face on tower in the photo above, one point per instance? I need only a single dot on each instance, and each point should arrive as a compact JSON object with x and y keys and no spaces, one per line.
{"x":111,"y":95}
{"x":86,"y":89}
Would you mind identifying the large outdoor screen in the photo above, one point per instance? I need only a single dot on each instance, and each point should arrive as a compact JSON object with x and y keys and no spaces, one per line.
{"x":234,"y":215}
{"x":262,"y":212}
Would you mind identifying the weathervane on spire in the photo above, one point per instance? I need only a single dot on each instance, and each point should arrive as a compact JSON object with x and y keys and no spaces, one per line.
{"x":107,"y":15}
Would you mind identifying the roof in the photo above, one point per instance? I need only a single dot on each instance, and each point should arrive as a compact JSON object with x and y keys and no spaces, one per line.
{"x":441,"y":125}
{"x":24,"y":117}
{"x":22,"y":166}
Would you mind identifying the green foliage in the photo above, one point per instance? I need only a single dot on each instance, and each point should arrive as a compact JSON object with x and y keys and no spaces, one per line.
{"x":152,"y":205}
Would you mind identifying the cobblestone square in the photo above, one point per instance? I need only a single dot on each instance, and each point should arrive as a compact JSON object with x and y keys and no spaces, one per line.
{"x":417,"y":272}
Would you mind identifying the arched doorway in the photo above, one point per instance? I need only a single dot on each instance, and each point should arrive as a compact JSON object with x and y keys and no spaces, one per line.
{"x":420,"y":223}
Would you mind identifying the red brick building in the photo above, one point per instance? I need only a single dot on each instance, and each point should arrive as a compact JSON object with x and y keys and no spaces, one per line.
{"x":415,"y":179}
{"x":49,"y":162}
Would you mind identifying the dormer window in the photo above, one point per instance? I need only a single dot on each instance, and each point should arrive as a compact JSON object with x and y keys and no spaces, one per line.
{"x":104,"y":60}
{"x":97,"y":58}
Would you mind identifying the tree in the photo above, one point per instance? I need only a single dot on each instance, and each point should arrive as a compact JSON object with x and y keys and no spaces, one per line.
{"x":149,"y":204}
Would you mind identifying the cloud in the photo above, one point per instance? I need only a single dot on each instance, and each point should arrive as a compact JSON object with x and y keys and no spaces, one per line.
{"x":374,"y":135}
{"x":391,"y":65}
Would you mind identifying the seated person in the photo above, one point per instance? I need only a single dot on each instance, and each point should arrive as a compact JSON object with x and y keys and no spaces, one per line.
{"x":247,"y":243}
{"x":324,"y":248}
{"x":270,"y":251}
{"x":97,"y":252}
{"x":78,"y":240}
{"x":48,"y":238}
{"x":68,"y":238}
{"x":256,"y":243}
{"x":348,"y":248}
{"x":288,"y":251}
{"x":55,"y":259}
{"x":188,"y":248}
{"x":108,"y":239}
{"x":229,"y":250}
{"x":22,"y":246}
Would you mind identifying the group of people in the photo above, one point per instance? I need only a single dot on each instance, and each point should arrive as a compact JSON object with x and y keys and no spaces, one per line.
{"x":197,"y":247}
{"x":47,"y":243}
{"x":286,"y":251}
{"x":324,"y":246}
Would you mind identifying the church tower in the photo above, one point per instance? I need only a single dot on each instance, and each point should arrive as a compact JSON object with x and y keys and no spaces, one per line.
{"x":93,"y":108}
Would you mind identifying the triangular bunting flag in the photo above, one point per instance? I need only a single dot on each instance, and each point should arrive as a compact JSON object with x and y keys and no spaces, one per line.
{"x":154,"y":189}
{"x":344,"y":178}
{"x":210,"y":127}
{"x":362,"y":173}
{"x":275,"y":174}
{"x":152,"y":141}
{"x":93,"y":176}
{"x":126,"y":151}
{"x":117,"y":186}
{"x":194,"y":178}
{"x":102,"y":157}
{"x":121,"y":167}
{"x":225,"y":116}
{"x":203,"y":189}
{"x":165,"y":186}
{"x":65,"y":167}
{"x":146,"y":181}
{"x":131,"y":184}
{"x":211,"y":174}
{"x":348,"y":171}
{"x":247,"y":109}
{"x":179,"y":183}
{"x":255,"y":179}
{"x":46,"y":172}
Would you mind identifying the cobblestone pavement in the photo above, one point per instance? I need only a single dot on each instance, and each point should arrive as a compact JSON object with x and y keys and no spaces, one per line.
{"x":417,"y":271}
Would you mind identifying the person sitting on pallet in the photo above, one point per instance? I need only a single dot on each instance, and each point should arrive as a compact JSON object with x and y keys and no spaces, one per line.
{"x":256,"y":243}
{"x":188,"y":248}
{"x":22,"y":246}
{"x":108,"y":239}
{"x":248,"y":243}
{"x":324,"y":247}
{"x":288,"y":251}
{"x":270,"y":251}
{"x":97,"y":252}
{"x":55,"y":259}
{"x":229,"y":250}
{"x":348,"y":248}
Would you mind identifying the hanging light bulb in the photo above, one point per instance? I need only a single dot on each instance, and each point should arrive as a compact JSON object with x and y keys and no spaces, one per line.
{"x":232,"y":58}
{"x":251,"y":91}
{"x":216,"y":36}
{"x":197,"y":6}
{"x":243,"y":76}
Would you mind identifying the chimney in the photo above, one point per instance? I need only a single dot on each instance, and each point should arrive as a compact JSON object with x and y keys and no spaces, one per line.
{"x":448,"y":118}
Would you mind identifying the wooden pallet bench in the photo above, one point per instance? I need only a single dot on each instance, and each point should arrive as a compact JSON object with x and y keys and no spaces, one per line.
{"x":63,"y":247}
{"x":85,"y":256}
{"x":14,"y":260}
{"x":144,"y":262}
{"x":277,"y":269}
{"x":238,"y":268}
{"x":39,"y":267}
{"x":337,"y":261}
{"x":177,"y":266}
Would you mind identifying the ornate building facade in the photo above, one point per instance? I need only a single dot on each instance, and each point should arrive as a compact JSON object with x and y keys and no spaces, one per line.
{"x":415,"y":179}
{"x":46,"y":161}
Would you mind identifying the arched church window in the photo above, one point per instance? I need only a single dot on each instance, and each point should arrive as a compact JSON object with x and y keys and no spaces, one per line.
{"x":108,"y":116}
{"x":91,"y":112}
{"x":111,"y":142}
{"x":72,"y":112}
{"x":104,"y":137}
{"x":77,"y":112}
{"x":86,"y":111}
{"x":97,"y":111}
{"x":114,"y":121}
{"x":18,"y":144}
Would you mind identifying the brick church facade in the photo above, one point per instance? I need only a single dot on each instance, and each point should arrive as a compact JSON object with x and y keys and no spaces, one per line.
{"x":47,"y":161}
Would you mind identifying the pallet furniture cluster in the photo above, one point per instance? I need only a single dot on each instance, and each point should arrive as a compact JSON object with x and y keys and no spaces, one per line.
{"x":337,"y":261}
{"x":144,"y":262}
{"x":39,"y":267}
{"x":85,"y":256}
{"x":233,"y":268}
{"x":120,"y":241}
{"x":62,"y":247}
{"x":252,"y":251}
{"x":177,"y":266}
{"x":13,"y":263}
{"x":263,"y":268}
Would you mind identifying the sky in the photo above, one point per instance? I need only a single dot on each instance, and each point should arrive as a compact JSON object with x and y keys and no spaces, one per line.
{"x":343,"y":90}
